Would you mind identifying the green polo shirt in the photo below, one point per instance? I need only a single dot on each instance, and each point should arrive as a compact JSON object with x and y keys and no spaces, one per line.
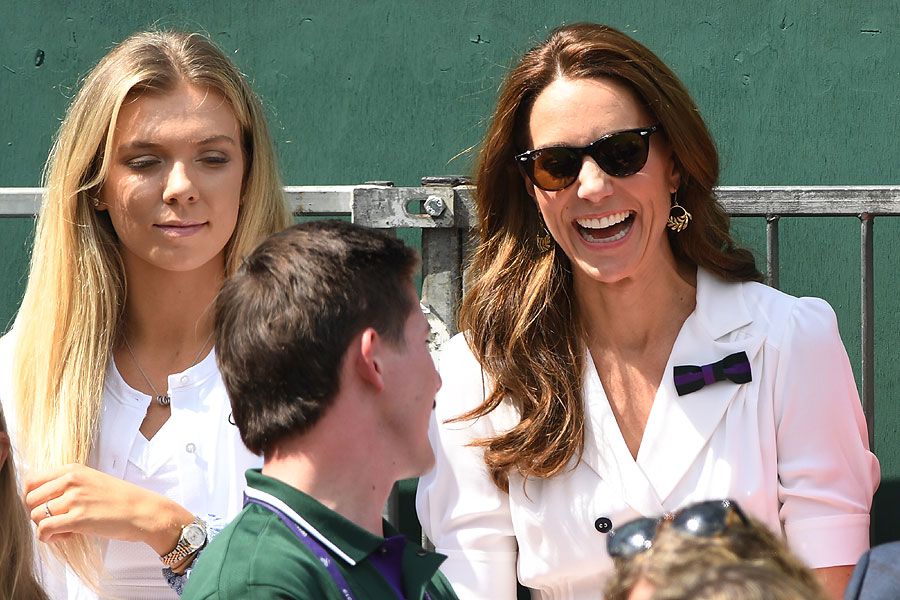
{"x":258,"y":556}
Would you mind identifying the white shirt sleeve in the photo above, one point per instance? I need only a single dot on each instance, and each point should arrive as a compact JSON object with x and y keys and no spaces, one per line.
{"x":461,"y":510}
{"x":827,"y":475}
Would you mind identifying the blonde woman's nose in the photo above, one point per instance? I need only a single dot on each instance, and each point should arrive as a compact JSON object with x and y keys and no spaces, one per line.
{"x":179,"y":185}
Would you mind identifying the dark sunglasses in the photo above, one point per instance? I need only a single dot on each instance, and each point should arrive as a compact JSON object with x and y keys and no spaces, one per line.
{"x":620,"y":154}
{"x":704,"y":519}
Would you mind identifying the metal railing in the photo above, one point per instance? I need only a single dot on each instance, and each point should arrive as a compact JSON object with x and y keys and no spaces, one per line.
{"x":446,"y":215}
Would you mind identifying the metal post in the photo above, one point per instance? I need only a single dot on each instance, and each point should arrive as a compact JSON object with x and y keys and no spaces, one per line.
{"x":772,"y":250}
{"x":867,"y":305}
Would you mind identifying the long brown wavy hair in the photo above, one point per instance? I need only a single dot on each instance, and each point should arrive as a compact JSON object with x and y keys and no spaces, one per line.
{"x":17,"y":578}
{"x":520,"y":312}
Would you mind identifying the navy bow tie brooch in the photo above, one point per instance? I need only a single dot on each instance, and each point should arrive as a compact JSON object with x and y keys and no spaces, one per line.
{"x":690,"y":378}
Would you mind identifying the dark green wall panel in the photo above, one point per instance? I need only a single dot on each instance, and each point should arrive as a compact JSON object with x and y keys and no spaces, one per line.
{"x":796,"y":93}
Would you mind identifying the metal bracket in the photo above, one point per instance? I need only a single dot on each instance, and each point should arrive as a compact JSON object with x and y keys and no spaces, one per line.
{"x":386,"y":208}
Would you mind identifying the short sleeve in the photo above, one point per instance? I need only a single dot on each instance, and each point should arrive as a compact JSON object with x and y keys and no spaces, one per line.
{"x":461,"y":510}
{"x":827,"y":475}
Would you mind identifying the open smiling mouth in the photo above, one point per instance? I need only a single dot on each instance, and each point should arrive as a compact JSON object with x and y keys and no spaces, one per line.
{"x":605,"y":230}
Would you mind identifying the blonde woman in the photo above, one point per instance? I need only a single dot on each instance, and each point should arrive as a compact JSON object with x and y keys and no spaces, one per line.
{"x":17,"y":579}
{"x":161,"y":179}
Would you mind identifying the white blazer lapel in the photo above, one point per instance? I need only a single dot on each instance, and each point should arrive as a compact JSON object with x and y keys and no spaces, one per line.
{"x":605,"y":450}
{"x":679,"y":427}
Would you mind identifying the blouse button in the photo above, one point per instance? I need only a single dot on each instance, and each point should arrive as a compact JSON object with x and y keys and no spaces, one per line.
{"x":190,"y":447}
{"x":185,"y":379}
{"x":603,"y":525}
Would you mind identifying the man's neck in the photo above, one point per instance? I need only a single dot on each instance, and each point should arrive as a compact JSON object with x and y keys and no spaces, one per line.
{"x":340,"y":471}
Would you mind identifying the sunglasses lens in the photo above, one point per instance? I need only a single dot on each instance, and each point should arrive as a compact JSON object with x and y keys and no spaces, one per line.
{"x":631,"y":538}
{"x":622,"y":154}
{"x":555,"y":168}
{"x":704,"y":519}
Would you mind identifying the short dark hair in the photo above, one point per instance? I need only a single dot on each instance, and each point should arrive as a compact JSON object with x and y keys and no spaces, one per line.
{"x":284,"y":321}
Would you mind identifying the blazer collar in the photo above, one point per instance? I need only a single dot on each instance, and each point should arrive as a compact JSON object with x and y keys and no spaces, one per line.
{"x":678,"y":428}
{"x":721,"y":307}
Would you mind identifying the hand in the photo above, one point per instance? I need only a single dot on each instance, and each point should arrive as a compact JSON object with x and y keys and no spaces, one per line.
{"x":86,"y":501}
{"x":834,"y":580}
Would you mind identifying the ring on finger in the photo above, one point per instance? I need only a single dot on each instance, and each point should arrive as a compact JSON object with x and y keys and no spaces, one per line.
{"x":47,"y":509}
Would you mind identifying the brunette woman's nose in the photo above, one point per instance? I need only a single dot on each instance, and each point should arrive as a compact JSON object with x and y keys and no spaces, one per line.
{"x":593,"y":182}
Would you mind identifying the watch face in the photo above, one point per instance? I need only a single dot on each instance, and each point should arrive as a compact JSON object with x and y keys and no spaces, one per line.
{"x":194,"y":535}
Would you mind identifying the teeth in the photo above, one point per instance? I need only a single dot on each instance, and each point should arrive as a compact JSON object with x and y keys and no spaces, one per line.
{"x":603,"y":222}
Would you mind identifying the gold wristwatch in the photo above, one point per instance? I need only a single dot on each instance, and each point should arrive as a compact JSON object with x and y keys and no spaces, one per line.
{"x":193,"y":536}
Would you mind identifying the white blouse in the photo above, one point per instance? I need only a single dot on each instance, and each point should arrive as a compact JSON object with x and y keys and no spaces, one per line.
{"x":790,"y":446}
{"x":204,"y":446}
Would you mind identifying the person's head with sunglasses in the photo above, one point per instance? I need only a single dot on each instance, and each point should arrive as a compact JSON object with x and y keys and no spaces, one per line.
{"x":592,"y":140}
{"x":661,"y":557}
{"x":604,"y":288}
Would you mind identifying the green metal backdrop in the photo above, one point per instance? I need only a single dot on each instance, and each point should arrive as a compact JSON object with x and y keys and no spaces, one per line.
{"x":795,"y":92}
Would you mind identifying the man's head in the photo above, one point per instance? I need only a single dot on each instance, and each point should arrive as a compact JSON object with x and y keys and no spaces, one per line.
{"x":301,"y":303}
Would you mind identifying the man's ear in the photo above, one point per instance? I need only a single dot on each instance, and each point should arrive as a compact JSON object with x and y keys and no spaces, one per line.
{"x":368,"y":358}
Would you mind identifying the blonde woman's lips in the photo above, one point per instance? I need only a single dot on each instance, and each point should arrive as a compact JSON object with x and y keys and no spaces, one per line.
{"x":180,"y":228}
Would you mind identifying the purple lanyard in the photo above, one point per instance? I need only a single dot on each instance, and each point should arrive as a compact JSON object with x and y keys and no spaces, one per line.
{"x":317,"y":549}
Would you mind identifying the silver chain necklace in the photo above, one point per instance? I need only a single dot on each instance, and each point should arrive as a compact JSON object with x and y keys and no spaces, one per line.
{"x":161,"y":399}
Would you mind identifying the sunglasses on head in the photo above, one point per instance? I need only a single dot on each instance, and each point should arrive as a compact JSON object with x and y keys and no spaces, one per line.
{"x":704,"y":519}
{"x":620,"y":154}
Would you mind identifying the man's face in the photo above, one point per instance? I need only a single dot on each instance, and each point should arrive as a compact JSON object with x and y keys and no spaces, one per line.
{"x":411,"y":382}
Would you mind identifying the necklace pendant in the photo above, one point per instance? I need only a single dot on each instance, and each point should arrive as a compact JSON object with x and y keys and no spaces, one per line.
{"x":163,"y":400}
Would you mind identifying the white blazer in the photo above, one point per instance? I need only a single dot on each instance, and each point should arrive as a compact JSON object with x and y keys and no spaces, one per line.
{"x":790,"y":446}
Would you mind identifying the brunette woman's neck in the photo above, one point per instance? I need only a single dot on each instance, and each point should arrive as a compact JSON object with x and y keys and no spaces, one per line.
{"x":636,"y":313}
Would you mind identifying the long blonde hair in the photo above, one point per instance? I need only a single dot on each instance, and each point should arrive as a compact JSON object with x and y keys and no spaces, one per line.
{"x":17,"y":581}
{"x":71,"y":314}
{"x":520,"y":313}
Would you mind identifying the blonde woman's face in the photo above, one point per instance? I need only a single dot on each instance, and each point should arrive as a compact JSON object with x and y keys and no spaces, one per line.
{"x":174,"y":185}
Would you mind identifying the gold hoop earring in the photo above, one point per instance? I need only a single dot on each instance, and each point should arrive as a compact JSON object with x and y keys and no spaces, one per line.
{"x":679,"y":217}
{"x":543,"y":240}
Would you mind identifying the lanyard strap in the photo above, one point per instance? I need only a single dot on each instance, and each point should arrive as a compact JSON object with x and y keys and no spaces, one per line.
{"x":311,"y":543}
{"x":317,"y":549}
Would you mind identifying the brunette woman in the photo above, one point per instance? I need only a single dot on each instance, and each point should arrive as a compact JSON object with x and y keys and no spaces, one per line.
{"x":620,"y":357}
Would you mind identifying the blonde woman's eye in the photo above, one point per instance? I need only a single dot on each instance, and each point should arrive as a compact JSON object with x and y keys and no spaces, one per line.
{"x":142,"y":163}
{"x":215,"y":159}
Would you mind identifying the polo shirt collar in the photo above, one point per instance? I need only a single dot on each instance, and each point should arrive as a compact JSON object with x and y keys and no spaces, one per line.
{"x":349,"y":541}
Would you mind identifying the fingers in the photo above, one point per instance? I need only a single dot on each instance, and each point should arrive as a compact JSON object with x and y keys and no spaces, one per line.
{"x":51,"y":529}
{"x":49,"y":487}
{"x":49,"y":500}
{"x":53,"y":507}
{"x":36,"y":480}
{"x":54,"y":518}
